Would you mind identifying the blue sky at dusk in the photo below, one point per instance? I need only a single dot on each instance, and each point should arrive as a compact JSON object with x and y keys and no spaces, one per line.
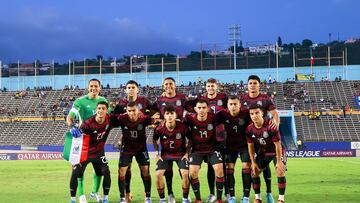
{"x":74,"y":29}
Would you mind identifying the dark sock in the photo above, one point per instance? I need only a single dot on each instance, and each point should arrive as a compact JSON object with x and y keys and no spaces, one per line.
{"x":281,"y":185}
{"x":219,"y":187}
{"x":185,"y":193}
{"x":147,"y":184}
{"x":121,"y":185}
{"x":246,"y":177}
{"x":230,"y":181}
{"x":169,"y":177}
{"x":195,"y":184}
{"x":267,"y":178}
{"x":127,"y":180}
{"x":256,"y":184}
{"x":161,"y":193}
{"x":106,"y":180}
{"x":211,"y":179}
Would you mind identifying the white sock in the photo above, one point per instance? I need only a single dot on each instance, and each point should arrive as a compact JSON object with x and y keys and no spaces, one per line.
{"x":73,"y":198}
{"x":282,"y":197}
{"x":106,"y":197}
{"x":257,"y":196}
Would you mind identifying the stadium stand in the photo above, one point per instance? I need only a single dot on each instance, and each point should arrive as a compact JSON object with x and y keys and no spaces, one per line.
{"x":37,"y":117}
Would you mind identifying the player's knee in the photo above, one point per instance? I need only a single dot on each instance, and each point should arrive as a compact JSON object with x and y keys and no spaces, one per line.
{"x":159,"y":174}
{"x":184,"y":173}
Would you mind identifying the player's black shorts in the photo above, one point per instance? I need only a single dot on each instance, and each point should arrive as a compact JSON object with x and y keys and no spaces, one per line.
{"x":166,"y":163}
{"x":142,"y":158}
{"x":212,"y":158}
{"x":231,"y":156}
{"x":264,"y":161}
{"x":99,"y":163}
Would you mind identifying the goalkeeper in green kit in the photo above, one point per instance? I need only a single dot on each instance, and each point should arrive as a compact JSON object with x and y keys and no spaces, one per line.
{"x":83,"y":108}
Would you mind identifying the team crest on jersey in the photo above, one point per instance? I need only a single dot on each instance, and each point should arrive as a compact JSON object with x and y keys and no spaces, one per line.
{"x":140,"y":127}
{"x":210,"y":127}
{"x":220,"y":102}
{"x":178,"y":136}
{"x":140,"y":106}
{"x":227,"y":121}
{"x":178,"y":103}
{"x":241,"y":121}
{"x":259,"y":103}
{"x":265,"y":134}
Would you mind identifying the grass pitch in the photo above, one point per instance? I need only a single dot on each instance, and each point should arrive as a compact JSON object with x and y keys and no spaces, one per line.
{"x":317,"y":180}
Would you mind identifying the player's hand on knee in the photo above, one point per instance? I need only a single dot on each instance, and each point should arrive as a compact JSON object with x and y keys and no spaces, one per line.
{"x":185,"y":157}
{"x":280,"y":168}
{"x":75,"y":132}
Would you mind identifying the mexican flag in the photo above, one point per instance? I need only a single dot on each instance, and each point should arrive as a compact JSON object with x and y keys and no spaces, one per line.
{"x":76,"y":149}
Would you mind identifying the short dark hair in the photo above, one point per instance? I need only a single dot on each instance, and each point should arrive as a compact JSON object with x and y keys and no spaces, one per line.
{"x":170,"y":78}
{"x":254,"y":77}
{"x":94,"y":79}
{"x":132,"y":104}
{"x":211,"y":80}
{"x":103,"y":103}
{"x":169,"y":108}
{"x":133,"y":82}
{"x":233,"y":97}
{"x":202,"y":101}
{"x":255,"y":106}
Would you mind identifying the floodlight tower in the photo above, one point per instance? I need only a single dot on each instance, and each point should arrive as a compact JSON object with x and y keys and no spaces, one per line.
{"x":234,"y":36}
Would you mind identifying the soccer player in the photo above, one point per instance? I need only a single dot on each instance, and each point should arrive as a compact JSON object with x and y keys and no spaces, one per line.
{"x":204,"y":142}
{"x":132,"y":90}
{"x":267,"y":105}
{"x":181,"y":104}
{"x":266,"y":139}
{"x":235,"y":122}
{"x":98,"y":128}
{"x":217,"y":102}
{"x":172,"y":135}
{"x":83,"y":108}
{"x":133,"y":125}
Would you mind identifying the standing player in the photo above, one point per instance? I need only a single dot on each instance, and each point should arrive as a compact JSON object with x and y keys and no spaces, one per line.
{"x":98,"y":128}
{"x":172,"y":135}
{"x":217,"y":102}
{"x":204,"y":143}
{"x":180,"y":102}
{"x":235,"y":122}
{"x":132,"y":90}
{"x":266,"y":139}
{"x":133,"y":125}
{"x":267,"y":105}
{"x":83,"y":108}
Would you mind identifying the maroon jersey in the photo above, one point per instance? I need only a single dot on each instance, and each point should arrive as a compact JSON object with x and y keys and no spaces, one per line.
{"x":263,"y":138}
{"x":173,"y":143}
{"x":203,"y":133}
{"x":133,"y":133}
{"x":179,"y":102}
{"x":235,"y":129}
{"x":142,"y":102}
{"x":263,"y":100}
{"x":216,"y":104}
{"x":98,"y":134}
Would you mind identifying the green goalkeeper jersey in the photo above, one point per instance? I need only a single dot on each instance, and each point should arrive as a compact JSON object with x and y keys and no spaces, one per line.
{"x":85,"y":107}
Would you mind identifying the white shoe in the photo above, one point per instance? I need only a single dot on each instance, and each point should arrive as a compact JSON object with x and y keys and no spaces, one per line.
{"x":211,"y":198}
{"x":82,"y":199}
{"x":96,"y":196}
{"x":171,"y":198}
{"x":122,"y":200}
{"x":162,"y":200}
{"x":147,"y":200}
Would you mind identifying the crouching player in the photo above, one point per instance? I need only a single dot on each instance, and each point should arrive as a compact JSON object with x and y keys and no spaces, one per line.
{"x":266,"y":141}
{"x":172,"y":135}
{"x":98,"y":128}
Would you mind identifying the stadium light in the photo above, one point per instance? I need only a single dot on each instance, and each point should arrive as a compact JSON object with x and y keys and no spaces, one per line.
{"x":234,"y":32}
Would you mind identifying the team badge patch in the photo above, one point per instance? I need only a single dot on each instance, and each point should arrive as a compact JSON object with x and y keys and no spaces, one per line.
{"x":220,"y":102}
{"x":210,"y":127}
{"x":140,"y":106}
{"x":259,"y":103}
{"x":140,"y":127}
{"x":266,"y":134}
{"x":178,"y":136}
{"x":178,"y":103}
{"x":241,"y":121}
